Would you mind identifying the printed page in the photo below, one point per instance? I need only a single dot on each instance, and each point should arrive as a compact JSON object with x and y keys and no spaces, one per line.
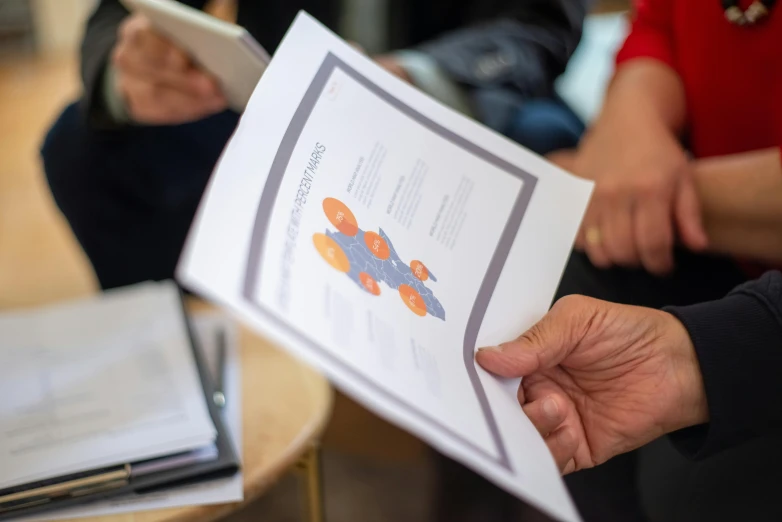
{"x":219,"y":491}
{"x":99,"y":382}
{"x":384,"y":238}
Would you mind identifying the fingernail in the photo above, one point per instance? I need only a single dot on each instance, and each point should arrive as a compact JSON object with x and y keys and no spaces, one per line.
{"x":490,"y":349}
{"x":551,"y":408}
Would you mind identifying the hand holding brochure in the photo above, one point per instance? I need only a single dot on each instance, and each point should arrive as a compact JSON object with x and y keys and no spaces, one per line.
{"x":383,"y":237}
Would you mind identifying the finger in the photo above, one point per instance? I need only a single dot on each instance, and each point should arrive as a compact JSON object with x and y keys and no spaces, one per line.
{"x":144,"y":53}
{"x":540,"y":386}
{"x":688,"y":216}
{"x":544,"y":345}
{"x":654,"y":235}
{"x":138,"y":37}
{"x":155,"y":104}
{"x":357,"y":46}
{"x":618,"y":240}
{"x":564,"y":159}
{"x":563,"y":445}
{"x":190,"y":80}
{"x":546,"y":414}
{"x":570,"y":467}
{"x":593,"y":246}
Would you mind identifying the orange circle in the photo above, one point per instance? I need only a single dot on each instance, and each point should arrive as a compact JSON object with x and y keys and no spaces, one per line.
{"x":340,"y":216}
{"x":412,"y":299}
{"x":331,"y":252}
{"x":369,"y":283}
{"x":377,"y":245}
{"x":419,"y":270}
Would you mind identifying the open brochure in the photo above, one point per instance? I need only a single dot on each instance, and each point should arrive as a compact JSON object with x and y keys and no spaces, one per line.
{"x":383,"y":237}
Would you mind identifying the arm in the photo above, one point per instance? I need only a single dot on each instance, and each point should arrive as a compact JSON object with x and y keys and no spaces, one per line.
{"x":738,"y":341}
{"x":644,"y":195}
{"x":646,"y":84}
{"x":741,"y":201}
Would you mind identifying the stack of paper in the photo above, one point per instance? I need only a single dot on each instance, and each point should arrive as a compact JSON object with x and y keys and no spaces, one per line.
{"x":97,"y":383}
{"x":220,"y":491}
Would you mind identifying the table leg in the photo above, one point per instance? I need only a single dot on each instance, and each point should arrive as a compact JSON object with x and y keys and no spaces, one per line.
{"x":312,"y":485}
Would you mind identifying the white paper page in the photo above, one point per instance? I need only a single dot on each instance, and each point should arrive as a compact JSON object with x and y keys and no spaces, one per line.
{"x":220,"y":491}
{"x":98,"y":382}
{"x":383,"y":237}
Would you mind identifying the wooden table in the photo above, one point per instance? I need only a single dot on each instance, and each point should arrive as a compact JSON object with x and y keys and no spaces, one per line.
{"x":285,"y":407}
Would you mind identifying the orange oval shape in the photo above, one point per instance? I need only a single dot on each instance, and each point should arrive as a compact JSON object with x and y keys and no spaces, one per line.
{"x":413,"y":300}
{"x":340,"y":216}
{"x":369,"y":283}
{"x":419,"y":270}
{"x":377,"y":245}
{"x":331,"y":252}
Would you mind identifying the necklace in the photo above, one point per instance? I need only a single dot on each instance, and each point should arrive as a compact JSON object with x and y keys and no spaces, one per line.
{"x":756,"y":12}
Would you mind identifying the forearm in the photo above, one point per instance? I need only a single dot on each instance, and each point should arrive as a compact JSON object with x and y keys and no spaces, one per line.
{"x":649,"y":92}
{"x":738,"y":342}
{"x":741,"y":202}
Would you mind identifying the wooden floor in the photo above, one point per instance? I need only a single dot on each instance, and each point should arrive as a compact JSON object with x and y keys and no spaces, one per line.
{"x":40,"y":261}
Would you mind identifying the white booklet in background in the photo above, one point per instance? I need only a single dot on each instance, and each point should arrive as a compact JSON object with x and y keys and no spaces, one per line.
{"x":383,"y":237}
{"x":99,"y":382}
{"x":225,"y":50}
{"x":217,"y":491}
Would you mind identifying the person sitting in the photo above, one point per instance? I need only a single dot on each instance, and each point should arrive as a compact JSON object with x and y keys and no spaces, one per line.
{"x":128,"y":163}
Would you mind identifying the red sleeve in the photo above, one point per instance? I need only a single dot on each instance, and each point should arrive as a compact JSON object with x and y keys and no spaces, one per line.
{"x":651,"y":34}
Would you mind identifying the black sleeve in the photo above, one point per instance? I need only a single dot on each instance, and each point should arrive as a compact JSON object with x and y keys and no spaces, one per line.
{"x":526,"y":45}
{"x":99,"y":39}
{"x":738,"y":341}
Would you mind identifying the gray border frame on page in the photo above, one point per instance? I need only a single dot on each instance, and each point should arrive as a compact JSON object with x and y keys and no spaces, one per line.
{"x":266,"y":205}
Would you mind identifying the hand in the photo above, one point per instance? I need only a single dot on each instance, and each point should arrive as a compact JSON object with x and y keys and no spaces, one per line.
{"x":392,"y":65}
{"x":644,"y":190}
{"x":159,"y":83}
{"x":602,"y":379}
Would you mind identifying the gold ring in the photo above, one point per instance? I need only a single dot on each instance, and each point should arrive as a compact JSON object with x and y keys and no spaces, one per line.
{"x":593,"y":236}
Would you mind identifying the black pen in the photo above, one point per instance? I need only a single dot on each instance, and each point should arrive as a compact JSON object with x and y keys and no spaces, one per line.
{"x":219,"y":394}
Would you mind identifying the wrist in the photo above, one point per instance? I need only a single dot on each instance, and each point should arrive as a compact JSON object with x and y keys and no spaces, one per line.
{"x":690,"y":407}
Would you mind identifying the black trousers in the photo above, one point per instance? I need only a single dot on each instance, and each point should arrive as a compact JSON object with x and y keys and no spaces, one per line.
{"x":129,"y":194}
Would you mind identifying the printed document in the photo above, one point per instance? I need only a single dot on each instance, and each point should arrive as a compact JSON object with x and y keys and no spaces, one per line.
{"x":383,"y":237}
{"x":218,"y":491}
{"x":104,"y":381}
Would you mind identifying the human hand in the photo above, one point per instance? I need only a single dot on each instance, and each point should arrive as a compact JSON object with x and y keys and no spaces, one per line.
{"x":392,"y":65}
{"x":600,"y":379}
{"x":644,"y":193}
{"x":158,"y":81}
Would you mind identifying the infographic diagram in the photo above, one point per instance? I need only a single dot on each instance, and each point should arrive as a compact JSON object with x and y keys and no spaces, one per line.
{"x":369,"y":258}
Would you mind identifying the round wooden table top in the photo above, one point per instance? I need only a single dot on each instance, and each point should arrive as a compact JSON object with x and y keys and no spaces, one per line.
{"x":285,"y":407}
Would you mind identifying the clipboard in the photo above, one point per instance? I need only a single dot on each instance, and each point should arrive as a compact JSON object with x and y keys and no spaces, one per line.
{"x":99,"y":484}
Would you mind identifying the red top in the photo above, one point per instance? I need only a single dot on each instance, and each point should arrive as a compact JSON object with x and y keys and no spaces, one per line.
{"x":732,"y":75}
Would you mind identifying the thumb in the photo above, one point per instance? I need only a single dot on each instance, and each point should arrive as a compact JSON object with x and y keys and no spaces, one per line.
{"x":544,"y":345}
{"x":688,"y":216}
